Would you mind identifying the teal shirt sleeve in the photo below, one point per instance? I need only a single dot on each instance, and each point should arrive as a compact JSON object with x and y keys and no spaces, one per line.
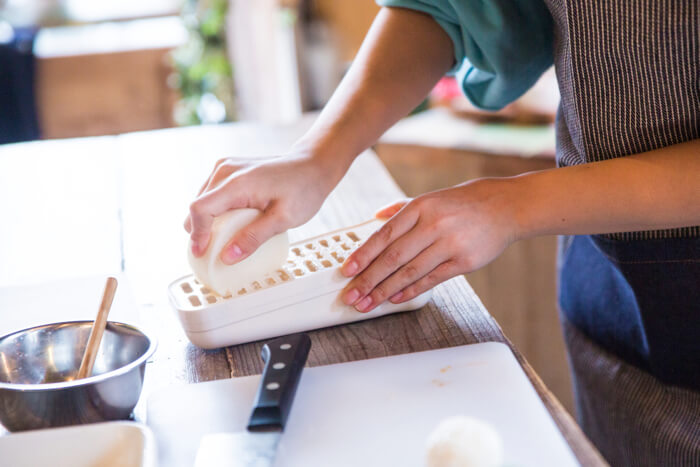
{"x":501,"y":46}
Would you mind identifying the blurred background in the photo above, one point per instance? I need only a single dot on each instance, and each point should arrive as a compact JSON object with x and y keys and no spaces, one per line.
{"x":75,"y":68}
{"x":83,"y":67}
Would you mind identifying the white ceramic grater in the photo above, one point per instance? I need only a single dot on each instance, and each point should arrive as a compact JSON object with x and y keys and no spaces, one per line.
{"x":302,"y":295}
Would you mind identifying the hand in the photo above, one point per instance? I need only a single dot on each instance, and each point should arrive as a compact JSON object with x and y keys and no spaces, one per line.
{"x":288,"y":190}
{"x":429,"y":240}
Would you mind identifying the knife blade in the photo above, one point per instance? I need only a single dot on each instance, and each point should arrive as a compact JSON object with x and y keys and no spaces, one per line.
{"x":256,"y":446}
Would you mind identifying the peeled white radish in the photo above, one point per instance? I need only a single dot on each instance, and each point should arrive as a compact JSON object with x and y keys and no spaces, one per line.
{"x":464,"y":442}
{"x":228,"y":279}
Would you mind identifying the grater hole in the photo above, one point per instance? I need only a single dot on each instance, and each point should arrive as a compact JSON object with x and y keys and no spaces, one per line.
{"x":300,"y":263}
{"x":283,"y":274}
{"x":337,"y":257}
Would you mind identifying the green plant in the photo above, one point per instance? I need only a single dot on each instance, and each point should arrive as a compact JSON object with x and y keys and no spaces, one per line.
{"x":203,"y":73}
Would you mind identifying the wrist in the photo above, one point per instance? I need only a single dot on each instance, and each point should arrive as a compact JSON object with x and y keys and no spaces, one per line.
{"x":504,"y":201}
{"x":525,"y":208}
{"x":333,"y":161}
{"x":536,"y":205}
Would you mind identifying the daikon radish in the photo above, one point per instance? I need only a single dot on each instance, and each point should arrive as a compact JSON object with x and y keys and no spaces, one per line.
{"x":464,"y":442}
{"x":228,"y":279}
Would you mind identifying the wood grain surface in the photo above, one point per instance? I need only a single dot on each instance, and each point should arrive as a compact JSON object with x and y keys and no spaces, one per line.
{"x":157,"y":174}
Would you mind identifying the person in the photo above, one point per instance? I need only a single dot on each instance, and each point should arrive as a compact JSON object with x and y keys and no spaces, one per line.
{"x":625,"y":196}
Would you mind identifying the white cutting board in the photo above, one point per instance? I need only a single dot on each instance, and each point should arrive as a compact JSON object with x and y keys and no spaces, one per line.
{"x":375,"y":412}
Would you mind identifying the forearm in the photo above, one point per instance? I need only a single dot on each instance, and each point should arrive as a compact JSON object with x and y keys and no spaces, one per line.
{"x":658,"y":189}
{"x":404,"y":54}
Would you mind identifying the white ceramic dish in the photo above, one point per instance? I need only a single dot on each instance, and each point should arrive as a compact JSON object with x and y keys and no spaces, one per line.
{"x":300,"y":296}
{"x":110,"y":444}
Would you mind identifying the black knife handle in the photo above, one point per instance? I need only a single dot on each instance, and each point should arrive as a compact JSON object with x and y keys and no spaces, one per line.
{"x":284,"y":361}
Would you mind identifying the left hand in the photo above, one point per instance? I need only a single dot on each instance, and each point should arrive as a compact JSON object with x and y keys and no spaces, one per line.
{"x":430,"y":239}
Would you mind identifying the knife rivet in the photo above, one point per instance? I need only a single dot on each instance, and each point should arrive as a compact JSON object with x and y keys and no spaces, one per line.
{"x":272,"y":386}
{"x":285,"y":346}
{"x":278,"y":366}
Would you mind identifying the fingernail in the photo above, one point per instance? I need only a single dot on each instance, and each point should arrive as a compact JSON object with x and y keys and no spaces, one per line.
{"x":231,"y":254}
{"x":396,"y":297}
{"x":352,"y":296}
{"x":364,"y":304}
{"x":350,"y":268}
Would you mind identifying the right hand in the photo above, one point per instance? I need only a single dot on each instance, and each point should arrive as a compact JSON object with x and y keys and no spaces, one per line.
{"x":289,"y":190}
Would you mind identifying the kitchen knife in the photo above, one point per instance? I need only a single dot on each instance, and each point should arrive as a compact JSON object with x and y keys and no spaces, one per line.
{"x":256,"y":447}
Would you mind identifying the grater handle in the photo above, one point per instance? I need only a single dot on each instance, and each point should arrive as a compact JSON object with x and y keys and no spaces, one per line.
{"x":284,"y":361}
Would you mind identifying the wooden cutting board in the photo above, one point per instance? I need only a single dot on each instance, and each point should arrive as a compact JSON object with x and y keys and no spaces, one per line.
{"x":376,"y":412}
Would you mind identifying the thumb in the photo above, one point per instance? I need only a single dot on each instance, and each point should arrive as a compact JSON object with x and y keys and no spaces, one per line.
{"x":202,"y":213}
{"x":388,"y":211}
{"x":250,"y":237}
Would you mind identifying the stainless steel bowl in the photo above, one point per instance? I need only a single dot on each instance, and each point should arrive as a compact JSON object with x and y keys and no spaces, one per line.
{"x":38,"y":367}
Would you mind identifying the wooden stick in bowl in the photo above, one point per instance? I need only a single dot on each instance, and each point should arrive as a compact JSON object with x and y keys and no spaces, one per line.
{"x":98,"y":329}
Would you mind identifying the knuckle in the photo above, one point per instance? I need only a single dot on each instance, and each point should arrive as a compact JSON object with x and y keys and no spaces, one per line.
{"x":409,"y":272}
{"x":441,"y":273}
{"x":391,"y":258}
{"x":222,"y":170}
{"x":195,"y":209}
{"x":284,"y":216}
{"x":442,"y":223}
{"x":453,"y":244}
{"x":453,"y":264}
{"x":433,"y":228}
{"x":384,"y":234}
{"x":433,"y":278}
{"x":463,"y":264}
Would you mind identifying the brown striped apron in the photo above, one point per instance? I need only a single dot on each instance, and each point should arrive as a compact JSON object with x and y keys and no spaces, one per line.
{"x":628,"y":73}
